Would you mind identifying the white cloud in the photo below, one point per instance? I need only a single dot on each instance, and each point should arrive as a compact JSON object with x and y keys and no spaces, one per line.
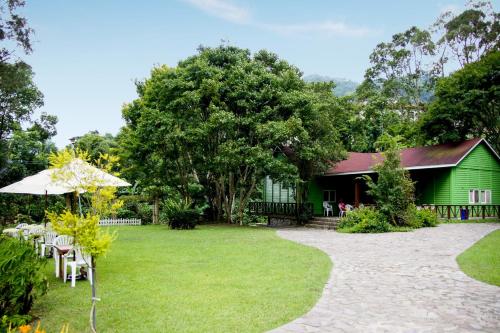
{"x":223,"y":9}
{"x":229,"y":11}
{"x":330,"y":28}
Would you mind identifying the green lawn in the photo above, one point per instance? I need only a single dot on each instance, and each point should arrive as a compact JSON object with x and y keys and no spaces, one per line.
{"x":482,"y":260}
{"x":211,"y":279}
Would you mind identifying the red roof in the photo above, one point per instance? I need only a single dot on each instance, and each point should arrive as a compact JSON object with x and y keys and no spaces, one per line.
{"x":438,"y":156}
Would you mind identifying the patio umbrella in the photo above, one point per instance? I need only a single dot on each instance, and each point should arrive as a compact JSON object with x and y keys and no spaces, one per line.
{"x":39,"y":184}
{"x":75,"y":174}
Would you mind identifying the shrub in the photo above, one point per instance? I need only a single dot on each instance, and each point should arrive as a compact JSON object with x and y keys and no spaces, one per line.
{"x":21,"y":280}
{"x":185,"y":219}
{"x":22,"y":218}
{"x":145,"y":212}
{"x":426,"y":217}
{"x":179,"y":214}
{"x":393,"y":191}
{"x":364,"y":220}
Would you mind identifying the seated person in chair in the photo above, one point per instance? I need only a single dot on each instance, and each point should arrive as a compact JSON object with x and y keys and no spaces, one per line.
{"x":342,"y":208}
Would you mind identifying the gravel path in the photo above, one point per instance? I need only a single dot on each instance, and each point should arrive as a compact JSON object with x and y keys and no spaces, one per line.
{"x":399,"y":282}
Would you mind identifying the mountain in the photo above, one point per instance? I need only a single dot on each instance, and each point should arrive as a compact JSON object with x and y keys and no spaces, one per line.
{"x":342,"y":86}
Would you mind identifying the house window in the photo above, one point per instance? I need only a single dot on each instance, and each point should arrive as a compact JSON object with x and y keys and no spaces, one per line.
{"x":473,"y":196}
{"x":486,"y":196}
{"x":477,"y":196}
{"x":330,"y":195}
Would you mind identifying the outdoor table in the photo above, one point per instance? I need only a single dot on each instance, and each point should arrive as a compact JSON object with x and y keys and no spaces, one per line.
{"x":61,"y":251}
{"x":12,"y":232}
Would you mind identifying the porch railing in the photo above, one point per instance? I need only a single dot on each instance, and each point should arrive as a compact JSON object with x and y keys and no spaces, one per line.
{"x":303,"y":210}
{"x":468,"y":211}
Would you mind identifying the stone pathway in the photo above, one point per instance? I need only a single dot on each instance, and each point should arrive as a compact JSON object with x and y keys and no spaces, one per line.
{"x":399,"y":282}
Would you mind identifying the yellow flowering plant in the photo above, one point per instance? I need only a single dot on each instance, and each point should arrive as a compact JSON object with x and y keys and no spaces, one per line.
{"x":72,"y":171}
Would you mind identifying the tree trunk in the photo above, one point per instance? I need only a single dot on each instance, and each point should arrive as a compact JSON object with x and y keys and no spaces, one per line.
{"x":156,"y":210}
{"x":94,"y":299}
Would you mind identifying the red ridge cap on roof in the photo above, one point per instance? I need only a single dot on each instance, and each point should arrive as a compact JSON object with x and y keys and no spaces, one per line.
{"x":442,"y":155}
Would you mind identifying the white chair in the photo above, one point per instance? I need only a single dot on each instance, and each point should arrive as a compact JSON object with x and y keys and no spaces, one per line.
{"x":327,"y":208}
{"x":35,"y":234}
{"x":81,"y":259}
{"x":61,"y":240}
{"x":48,"y":242}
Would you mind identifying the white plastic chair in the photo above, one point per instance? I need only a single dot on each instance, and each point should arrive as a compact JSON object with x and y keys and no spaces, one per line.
{"x":327,"y":208}
{"x":48,"y":242}
{"x":35,"y":233}
{"x":81,"y":259}
{"x":61,"y":240}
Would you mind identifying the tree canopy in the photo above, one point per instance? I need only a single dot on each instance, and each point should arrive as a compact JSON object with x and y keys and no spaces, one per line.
{"x":467,"y":104}
{"x":220,"y":119}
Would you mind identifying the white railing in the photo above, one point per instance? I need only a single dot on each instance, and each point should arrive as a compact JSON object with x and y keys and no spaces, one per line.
{"x":108,"y":222}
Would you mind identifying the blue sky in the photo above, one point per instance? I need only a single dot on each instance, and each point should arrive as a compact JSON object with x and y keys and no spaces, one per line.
{"x":87,"y":54}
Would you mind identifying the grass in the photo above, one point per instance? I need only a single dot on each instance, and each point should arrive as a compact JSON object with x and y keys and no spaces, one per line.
{"x":211,"y":279}
{"x":482,"y":260}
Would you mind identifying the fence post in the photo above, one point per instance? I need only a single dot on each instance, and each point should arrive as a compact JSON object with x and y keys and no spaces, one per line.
{"x":483,"y":212}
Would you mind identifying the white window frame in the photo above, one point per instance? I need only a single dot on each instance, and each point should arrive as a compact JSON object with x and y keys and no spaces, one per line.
{"x":330,"y":195}
{"x":473,"y":197}
{"x":483,"y":196}
{"x":487,"y":196}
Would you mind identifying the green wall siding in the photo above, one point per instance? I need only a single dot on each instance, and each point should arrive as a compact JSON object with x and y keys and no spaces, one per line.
{"x":433,"y":186}
{"x":275,"y":192}
{"x":315,"y":195}
{"x":479,"y":170}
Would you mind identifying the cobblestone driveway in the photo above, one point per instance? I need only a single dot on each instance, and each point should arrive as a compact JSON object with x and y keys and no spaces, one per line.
{"x":399,"y":282}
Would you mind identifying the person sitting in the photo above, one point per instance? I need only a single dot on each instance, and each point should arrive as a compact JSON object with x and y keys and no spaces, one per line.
{"x":342,"y":208}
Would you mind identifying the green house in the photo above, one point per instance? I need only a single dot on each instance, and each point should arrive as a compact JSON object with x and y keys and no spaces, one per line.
{"x":459,"y":174}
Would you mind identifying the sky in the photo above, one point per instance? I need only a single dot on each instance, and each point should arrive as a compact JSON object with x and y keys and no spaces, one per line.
{"x":88,"y":54}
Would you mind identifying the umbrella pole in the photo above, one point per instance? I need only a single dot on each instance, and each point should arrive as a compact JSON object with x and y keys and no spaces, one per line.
{"x":80,"y":205}
{"x":45,"y":210}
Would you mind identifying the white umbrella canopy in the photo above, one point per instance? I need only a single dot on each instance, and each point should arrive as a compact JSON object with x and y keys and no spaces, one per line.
{"x":70,"y":178}
{"x":78,"y":174}
{"x":40,"y":184}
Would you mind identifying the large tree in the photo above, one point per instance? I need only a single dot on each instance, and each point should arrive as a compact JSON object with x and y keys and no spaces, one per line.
{"x":467,"y":104}
{"x":222,"y":117}
{"x":14,"y":28}
{"x":465,"y":37}
{"x":19,"y":96}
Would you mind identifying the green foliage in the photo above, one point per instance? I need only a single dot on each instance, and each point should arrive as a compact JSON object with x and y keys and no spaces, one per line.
{"x":95,"y":144}
{"x":372,"y":220}
{"x":426,"y":217}
{"x":19,"y":96}
{"x":393,"y":191}
{"x":21,"y":280}
{"x":180,"y":215}
{"x":14,"y":29}
{"x":22,"y":218}
{"x":401,"y":82}
{"x":466,"y":104}
{"x":467,"y":36}
{"x":220,"y":119}
{"x":364,"y":220}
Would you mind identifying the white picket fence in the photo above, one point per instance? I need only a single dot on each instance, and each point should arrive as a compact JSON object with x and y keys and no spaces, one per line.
{"x":108,"y":222}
